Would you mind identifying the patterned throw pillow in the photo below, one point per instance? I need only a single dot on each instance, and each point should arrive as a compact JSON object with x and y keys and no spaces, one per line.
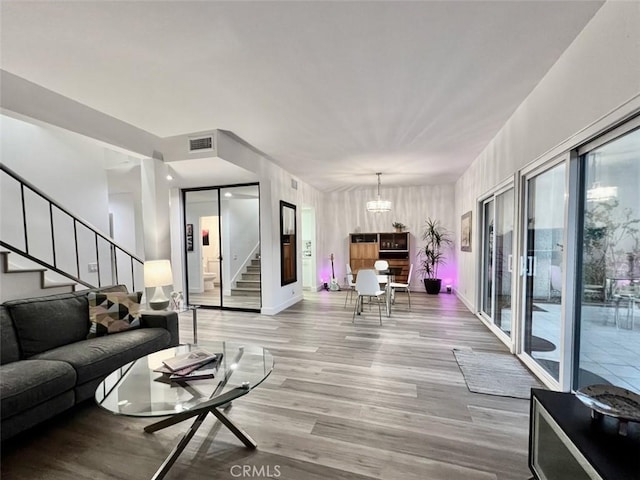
{"x":112,"y":312}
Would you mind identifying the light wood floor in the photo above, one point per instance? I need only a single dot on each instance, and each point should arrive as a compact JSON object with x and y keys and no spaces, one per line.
{"x":344,"y":402}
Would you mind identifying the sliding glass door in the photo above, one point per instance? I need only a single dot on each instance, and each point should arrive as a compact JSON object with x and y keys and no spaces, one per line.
{"x":497,"y":244}
{"x":541,"y":267}
{"x":608,"y":329}
{"x":222,"y":247}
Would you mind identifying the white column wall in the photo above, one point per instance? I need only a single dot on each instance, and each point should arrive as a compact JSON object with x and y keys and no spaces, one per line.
{"x":597,"y":76}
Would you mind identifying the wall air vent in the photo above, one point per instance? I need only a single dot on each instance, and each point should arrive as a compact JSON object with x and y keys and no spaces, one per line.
{"x":199,"y":144}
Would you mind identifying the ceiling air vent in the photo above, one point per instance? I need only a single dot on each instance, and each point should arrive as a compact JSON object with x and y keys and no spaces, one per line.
{"x":201,"y":143}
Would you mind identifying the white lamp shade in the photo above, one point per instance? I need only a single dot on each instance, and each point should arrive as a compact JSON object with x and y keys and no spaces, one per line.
{"x":157,"y":273}
{"x":378,"y":206}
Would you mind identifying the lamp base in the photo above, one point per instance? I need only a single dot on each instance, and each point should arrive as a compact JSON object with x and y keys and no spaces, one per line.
{"x":159,"y":305}
{"x":159,"y":301}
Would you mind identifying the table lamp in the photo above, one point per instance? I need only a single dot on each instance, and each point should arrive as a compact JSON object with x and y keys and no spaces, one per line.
{"x":157,"y":273}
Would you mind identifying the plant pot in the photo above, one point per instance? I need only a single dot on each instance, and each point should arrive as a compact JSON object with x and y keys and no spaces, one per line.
{"x":432,"y":285}
{"x":398,"y":230}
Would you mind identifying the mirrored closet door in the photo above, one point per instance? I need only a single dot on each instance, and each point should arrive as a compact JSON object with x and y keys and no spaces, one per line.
{"x":222,"y":246}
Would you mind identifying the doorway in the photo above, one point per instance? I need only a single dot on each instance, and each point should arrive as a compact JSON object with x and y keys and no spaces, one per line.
{"x":222,"y":247}
{"x":309,"y":281}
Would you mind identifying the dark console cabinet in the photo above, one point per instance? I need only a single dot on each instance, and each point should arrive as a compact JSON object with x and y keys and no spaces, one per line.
{"x":566,"y":444}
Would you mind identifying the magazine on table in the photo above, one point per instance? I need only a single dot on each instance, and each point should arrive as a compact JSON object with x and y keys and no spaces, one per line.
{"x":189,"y":359}
{"x":195,"y":372}
{"x":184,"y":371}
{"x":205,"y":371}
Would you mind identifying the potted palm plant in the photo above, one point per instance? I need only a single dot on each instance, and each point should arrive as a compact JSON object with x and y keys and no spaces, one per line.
{"x":431,"y":255}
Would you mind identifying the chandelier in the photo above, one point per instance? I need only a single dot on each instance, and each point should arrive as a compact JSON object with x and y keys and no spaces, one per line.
{"x":378,"y":206}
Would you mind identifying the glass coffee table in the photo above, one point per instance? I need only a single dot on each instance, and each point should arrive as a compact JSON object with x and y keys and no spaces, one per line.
{"x":137,"y":390}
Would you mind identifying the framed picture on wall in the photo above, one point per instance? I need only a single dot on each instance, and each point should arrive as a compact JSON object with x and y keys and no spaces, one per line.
{"x":465,"y":232}
{"x":189,"y":237}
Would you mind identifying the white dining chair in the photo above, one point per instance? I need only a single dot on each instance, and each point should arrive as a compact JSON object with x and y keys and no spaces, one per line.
{"x":403,"y":287}
{"x":351,"y":284}
{"x":367,"y":286}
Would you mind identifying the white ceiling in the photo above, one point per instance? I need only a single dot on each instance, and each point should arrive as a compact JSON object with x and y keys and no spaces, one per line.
{"x":332,"y":91}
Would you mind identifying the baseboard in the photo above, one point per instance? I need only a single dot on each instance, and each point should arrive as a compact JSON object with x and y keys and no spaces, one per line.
{"x":466,"y":302}
{"x":282,"y":306}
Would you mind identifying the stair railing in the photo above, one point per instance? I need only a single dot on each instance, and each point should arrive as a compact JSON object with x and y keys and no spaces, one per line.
{"x":53,"y":265}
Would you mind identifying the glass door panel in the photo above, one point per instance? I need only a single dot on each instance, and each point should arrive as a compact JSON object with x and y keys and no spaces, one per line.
{"x":202,"y":241}
{"x":503,"y":260}
{"x":487,"y":258}
{"x":609,"y":317}
{"x":544,"y":234}
{"x":497,"y":258}
{"x":240,"y":222}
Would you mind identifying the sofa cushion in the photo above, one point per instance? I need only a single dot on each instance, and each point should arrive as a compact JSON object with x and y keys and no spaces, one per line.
{"x":9,"y":349}
{"x":28,"y":383}
{"x":113,"y":312}
{"x":43,"y":323}
{"x":98,"y":357}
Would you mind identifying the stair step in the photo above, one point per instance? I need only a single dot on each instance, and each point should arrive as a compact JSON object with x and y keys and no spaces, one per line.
{"x":251,"y":276}
{"x":253,"y":269}
{"x":255,"y":262}
{"x":245,"y":292}
{"x":248,"y":284}
{"x":58,"y":284}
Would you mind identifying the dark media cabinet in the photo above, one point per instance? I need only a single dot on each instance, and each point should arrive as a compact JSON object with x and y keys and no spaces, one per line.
{"x":565,"y":443}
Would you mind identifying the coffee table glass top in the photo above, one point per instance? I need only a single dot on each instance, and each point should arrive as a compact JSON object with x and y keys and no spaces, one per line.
{"x":137,"y":390}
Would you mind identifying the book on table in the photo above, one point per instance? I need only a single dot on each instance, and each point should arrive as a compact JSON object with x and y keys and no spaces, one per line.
{"x":205,"y":371}
{"x":198,"y":371}
{"x":189,"y":359}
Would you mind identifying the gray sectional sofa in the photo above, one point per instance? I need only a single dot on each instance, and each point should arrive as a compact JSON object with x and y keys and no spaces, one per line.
{"x":48,"y":364}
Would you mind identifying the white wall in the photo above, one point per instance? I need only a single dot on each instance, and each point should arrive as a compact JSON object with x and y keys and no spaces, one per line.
{"x":345,"y":212}
{"x":597,"y":76}
{"x":67,"y":167}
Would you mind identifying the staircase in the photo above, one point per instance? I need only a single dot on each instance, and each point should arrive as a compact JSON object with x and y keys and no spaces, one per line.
{"x":46,"y":249}
{"x":249,"y":283}
{"x":22,"y":279}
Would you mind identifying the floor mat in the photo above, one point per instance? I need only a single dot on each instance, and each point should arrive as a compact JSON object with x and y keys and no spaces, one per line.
{"x":493,"y":373}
